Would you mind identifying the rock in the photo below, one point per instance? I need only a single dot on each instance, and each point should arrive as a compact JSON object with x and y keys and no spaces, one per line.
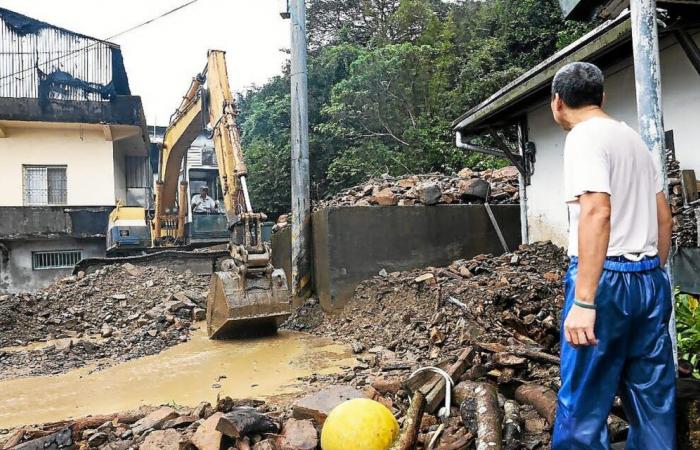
{"x":267,"y":444}
{"x":427,"y":278}
{"x":298,"y":435}
{"x":164,"y":440}
{"x":106,"y":331}
{"x":199,"y":314}
{"x":505,"y":173}
{"x":357,"y":347}
{"x":385,"y":197}
{"x":204,"y":410}
{"x":97,"y":439}
{"x":119,"y":297}
{"x":317,"y":406}
{"x":180,"y":422}
{"x":383,"y":273}
{"x":429,"y":193}
{"x":207,"y":437}
{"x":473,"y":189}
{"x":387,"y":385}
{"x":131,"y":269}
{"x":62,"y":439}
{"x":466,"y":173}
{"x":154,"y":420}
{"x":508,"y":360}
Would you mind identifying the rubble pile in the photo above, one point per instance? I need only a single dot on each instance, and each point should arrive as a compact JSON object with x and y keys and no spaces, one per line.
{"x":242,"y":424}
{"x":685,"y":216}
{"x":117,"y":313}
{"x":491,"y":322}
{"x":499,"y":186}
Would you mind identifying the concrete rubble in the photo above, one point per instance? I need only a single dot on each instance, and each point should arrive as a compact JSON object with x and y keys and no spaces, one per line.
{"x":115,"y":314}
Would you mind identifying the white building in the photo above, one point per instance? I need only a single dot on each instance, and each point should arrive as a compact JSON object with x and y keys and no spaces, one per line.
{"x":524,"y":103}
{"x":73,"y":143}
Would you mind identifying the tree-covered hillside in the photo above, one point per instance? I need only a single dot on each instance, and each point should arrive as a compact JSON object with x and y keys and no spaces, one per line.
{"x":386,"y":79}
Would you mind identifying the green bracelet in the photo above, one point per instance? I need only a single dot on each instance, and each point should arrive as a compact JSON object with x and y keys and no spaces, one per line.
{"x":584,"y":305}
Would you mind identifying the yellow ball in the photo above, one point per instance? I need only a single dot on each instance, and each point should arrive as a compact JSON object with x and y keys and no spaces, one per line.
{"x":359,"y":424}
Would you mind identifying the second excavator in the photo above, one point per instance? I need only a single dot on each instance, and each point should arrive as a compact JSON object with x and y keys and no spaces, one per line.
{"x":247,"y":294}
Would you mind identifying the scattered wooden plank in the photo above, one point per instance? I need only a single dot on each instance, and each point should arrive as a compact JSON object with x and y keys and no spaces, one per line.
{"x":690,"y":186}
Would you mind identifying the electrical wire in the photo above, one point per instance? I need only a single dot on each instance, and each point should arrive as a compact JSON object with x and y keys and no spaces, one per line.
{"x":121,"y":33}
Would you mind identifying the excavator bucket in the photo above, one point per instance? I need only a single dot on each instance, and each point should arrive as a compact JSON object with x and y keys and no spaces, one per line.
{"x":244,"y":303}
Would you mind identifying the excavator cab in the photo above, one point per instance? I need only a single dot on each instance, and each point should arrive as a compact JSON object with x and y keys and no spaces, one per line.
{"x":248,"y":296}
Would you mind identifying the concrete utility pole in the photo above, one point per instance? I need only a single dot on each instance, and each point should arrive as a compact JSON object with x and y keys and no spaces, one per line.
{"x":647,"y":75}
{"x":301,"y":207}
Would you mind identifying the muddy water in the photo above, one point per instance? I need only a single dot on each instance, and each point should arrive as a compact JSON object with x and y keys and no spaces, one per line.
{"x":185,"y":375}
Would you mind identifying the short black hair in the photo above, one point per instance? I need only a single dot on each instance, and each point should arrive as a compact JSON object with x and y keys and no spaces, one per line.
{"x":579,"y":84}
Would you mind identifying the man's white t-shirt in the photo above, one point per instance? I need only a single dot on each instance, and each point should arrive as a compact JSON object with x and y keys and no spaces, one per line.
{"x":604,"y":155}
{"x":200,"y":204}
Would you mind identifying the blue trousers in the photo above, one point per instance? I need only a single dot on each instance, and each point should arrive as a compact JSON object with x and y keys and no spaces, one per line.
{"x":633,"y":358}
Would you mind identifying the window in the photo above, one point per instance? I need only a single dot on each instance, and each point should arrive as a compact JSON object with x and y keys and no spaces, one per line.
{"x":45,"y":185}
{"x":61,"y":259}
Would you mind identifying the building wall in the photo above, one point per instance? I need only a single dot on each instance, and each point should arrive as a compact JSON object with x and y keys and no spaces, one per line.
{"x":546,"y":211}
{"x":16,"y":273}
{"x":85,"y":152}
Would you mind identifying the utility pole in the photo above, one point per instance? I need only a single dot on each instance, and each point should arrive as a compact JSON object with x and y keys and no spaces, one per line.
{"x":301,"y":205}
{"x":647,"y":75}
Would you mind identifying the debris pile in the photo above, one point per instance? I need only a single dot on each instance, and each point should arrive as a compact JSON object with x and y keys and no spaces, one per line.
{"x":492,"y":323}
{"x":499,"y":186}
{"x":685,"y":214}
{"x":239,"y":424}
{"x":117,"y":313}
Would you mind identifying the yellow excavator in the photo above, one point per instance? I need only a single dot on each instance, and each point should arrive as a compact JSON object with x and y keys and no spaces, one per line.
{"x":247,"y":295}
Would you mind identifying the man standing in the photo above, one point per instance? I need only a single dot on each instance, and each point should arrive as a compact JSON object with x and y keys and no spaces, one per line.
{"x":202,"y":203}
{"x":615,"y":334}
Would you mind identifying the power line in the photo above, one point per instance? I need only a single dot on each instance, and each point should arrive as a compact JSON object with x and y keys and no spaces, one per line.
{"x":121,"y":33}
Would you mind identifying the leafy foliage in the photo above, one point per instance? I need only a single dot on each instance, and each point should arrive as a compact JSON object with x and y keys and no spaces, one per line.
{"x":386,"y":79}
{"x":688,"y":327}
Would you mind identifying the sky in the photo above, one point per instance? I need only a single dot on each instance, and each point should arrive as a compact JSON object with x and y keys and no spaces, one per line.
{"x":161,"y":58}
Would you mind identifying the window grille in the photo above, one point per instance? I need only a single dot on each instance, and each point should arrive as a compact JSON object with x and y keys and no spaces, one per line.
{"x":45,"y":185}
{"x":61,"y":259}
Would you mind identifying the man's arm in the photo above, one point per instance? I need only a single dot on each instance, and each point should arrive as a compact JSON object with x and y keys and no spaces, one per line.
{"x":665,"y":221}
{"x":593,"y":239}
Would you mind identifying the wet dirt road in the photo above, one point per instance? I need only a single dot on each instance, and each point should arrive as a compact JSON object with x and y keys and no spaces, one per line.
{"x":185,"y":375}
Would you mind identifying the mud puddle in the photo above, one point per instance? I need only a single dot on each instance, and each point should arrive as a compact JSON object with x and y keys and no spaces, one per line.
{"x":184,"y":375}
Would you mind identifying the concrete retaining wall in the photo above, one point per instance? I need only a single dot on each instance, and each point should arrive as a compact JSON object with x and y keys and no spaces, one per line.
{"x":355,"y":243}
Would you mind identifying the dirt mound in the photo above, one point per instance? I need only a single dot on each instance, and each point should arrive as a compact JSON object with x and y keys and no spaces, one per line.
{"x":119,"y":312}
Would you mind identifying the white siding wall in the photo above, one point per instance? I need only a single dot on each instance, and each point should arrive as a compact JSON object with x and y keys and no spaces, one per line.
{"x":547,"y":213}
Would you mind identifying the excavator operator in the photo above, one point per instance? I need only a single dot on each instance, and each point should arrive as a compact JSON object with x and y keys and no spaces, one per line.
{"x":202,"y":203}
